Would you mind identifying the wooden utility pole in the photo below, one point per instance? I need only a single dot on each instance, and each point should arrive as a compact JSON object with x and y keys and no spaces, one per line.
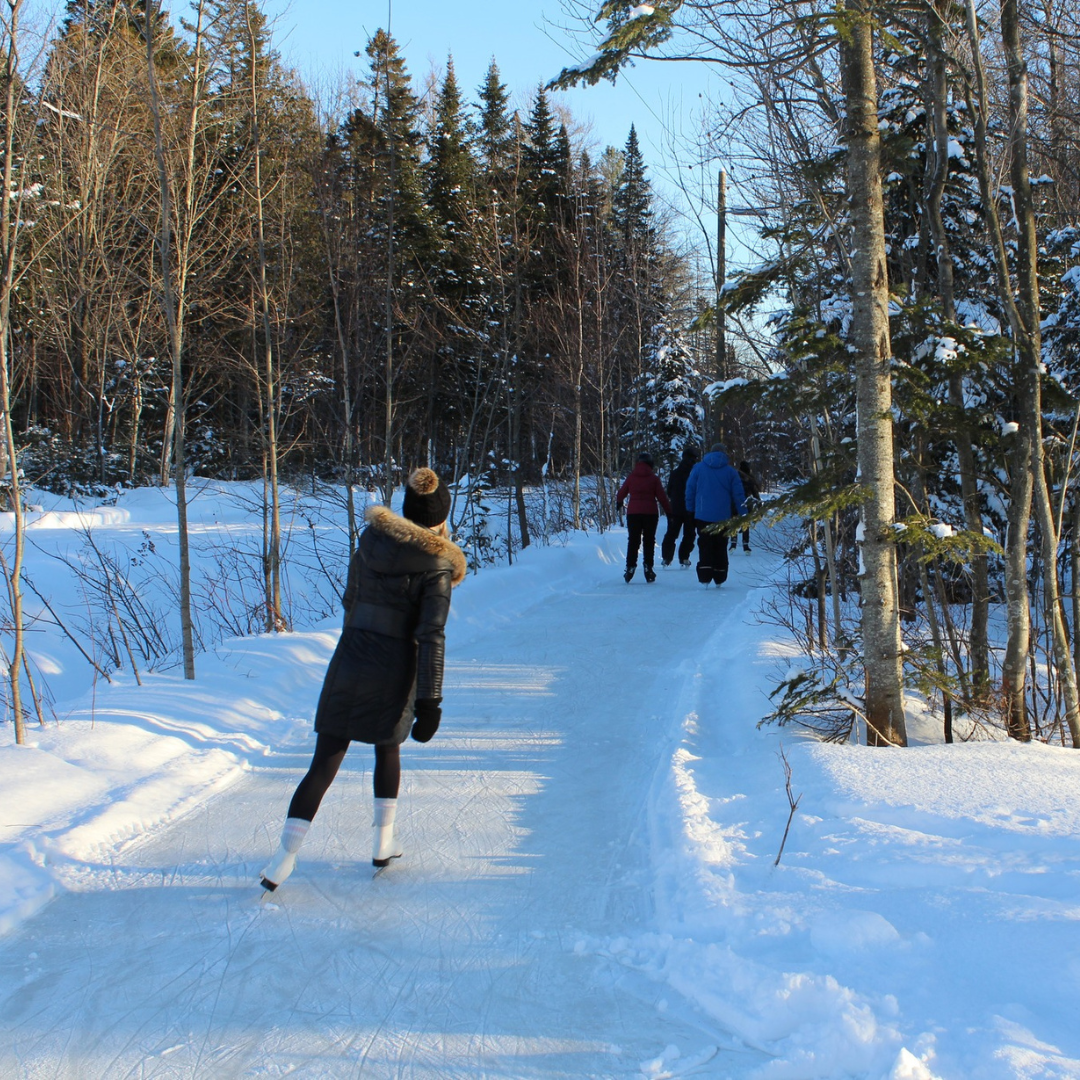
{"x":721,"y":319}
{"x":388,"y":463}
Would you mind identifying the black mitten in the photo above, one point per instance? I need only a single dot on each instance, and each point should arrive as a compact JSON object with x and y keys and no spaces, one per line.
{"x":428,"y":714}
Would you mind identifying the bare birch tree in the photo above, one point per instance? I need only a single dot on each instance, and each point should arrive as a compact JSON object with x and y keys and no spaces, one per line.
{"x":10,"y":205}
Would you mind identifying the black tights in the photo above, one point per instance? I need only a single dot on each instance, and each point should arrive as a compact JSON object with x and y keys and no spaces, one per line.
{"x":329,"y":754}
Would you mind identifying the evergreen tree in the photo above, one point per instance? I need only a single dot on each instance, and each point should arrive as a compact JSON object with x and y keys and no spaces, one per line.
{"x":631,"y":210}
{"x":457,"y":333}
{"x":397,"y":150}
{"x":671,"y":393}
{"x":546,"y":161}
{"x":495,"y":129}
{"x":451,"y":185}
{"x":639,"y":303}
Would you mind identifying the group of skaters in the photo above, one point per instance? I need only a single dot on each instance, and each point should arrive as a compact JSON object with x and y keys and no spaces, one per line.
{"x":384,"y":681}
{"x":699,"y":496}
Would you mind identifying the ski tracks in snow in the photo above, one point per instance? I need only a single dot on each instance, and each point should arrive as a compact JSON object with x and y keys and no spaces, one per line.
{"x":528,"y":838}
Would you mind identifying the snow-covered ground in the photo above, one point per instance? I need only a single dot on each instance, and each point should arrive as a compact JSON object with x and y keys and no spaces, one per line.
{"x":589,"y":887}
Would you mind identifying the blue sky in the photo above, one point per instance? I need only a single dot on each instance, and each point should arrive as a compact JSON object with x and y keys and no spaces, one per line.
{"x":525,"y":39}
{"x":320,"y":37}
{"x":531,"y":44}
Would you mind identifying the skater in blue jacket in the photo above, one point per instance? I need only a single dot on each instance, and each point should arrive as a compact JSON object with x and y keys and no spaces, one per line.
{"x":714,"y":493}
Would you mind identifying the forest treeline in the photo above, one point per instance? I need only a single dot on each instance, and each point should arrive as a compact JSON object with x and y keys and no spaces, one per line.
{"x":201,"y":269}
{"x":915,"y":317}
{"x":414,"y":275}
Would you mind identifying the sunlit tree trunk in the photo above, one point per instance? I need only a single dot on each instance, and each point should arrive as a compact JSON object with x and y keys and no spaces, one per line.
{"x":1029,"y":348}
{"x":175,"y":267}
{"x":8,"y":241}
{"x":870,"y":340}
{"x":275,"y":619}
{"x":969,"y":491}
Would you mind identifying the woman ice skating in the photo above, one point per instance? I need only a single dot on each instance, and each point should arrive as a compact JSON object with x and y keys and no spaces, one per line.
{"x":645,"y":491}
{"x":385,"y":677}
{"x":714,"y":493}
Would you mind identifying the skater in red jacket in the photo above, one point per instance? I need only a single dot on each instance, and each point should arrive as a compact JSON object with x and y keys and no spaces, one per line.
{"x":645,"y":491}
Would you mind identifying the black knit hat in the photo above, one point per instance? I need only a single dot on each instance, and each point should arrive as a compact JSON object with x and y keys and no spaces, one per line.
{"x":427,"y":502}
{"x":645,"y":457}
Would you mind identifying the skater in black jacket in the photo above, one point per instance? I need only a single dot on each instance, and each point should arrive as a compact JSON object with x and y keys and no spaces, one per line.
{"x":752,"y":491}
{"x":385,"y":677}
{"x":680,"y":519}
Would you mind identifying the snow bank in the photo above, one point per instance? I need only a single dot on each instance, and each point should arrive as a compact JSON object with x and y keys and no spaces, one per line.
{"x":922,"y":921}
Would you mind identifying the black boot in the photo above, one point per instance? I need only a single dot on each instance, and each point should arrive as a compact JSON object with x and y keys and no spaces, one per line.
{"x":650,"y":576}
{"x":628,"y":576}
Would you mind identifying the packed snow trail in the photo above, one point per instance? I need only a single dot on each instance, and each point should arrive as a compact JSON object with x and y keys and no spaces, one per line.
{"x":526,"y":832}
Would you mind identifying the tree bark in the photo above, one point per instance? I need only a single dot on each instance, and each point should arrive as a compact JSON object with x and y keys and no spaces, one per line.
{"x":173,"y":280}
{"x":8,"y":240}
{"x":1029,"y":350}
{"x":872,"y":353}
{"x":275,"y":617}
{"x":969,"y":491}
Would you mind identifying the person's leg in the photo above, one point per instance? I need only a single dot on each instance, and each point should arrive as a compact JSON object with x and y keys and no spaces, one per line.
{"x":387,"y":779}
{"x":387,"y":775}
{"x":704,"y":566}
{"x":634,"y":523}
{"x":746,"y":539}
{"x":667,"y":545}
{"x":686,"y":545}
{"x":327,"y":759}
{"x":720,"y":561}
{"x":329,"y":754}
{"x":649,"y":526}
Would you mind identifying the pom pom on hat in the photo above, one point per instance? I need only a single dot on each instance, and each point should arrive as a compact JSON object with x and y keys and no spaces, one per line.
{"x":427,"y":501}
{"x":423,"y":481}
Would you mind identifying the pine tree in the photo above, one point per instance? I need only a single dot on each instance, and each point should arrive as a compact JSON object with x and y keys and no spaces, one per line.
{"x":397,"y":152}
{"x":671,"y":393}
{"x":495,"y":129}
{"x":639,"y":304}
{"x":546,"y":161}
{"x":457,"y":335}
{"x":451,"y":174}
{"x":631,"y":210}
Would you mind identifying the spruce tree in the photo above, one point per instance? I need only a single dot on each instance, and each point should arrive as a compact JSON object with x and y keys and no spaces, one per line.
{"x":639,"y":304}
{"x":455,"y":337}
{"x":671,"y":393}
{"x":451,"y":176}
{"x":495,"y":128}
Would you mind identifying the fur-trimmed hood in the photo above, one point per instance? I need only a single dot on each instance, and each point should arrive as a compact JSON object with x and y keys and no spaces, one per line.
{"x":402,"y":531}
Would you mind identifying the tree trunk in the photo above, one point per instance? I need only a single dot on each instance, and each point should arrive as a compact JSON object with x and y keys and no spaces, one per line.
{"x":872,"y":354}
{"x":1029,"y":350}
{"x":275,"y":618}
{"x":173,"y":305}
{"x":969,"y":491}
{"x":8,"y":239}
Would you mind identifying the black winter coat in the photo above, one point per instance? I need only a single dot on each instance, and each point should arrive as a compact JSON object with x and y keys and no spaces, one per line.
{"x":676,"y":485}
{"x":392,"y":645}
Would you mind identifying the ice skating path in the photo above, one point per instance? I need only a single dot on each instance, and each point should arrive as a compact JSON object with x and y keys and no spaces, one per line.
{"x":526,"y":828}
